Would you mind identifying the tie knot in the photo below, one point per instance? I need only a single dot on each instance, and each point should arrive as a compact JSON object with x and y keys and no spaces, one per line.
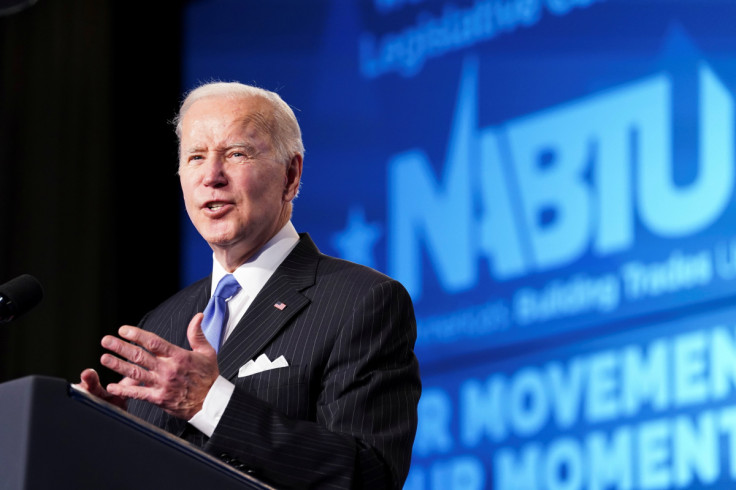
{"x":227,"y":287}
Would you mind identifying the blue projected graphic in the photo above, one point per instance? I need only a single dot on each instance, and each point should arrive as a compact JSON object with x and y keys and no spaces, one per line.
{"x":642,"y":409}
{"x":554,"y":183}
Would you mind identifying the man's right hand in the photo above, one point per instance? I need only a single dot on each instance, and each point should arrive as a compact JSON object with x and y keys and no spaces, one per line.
{"x":90,"y":381}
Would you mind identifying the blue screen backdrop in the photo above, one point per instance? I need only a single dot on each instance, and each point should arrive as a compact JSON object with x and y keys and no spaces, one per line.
{"x":554,"y":183}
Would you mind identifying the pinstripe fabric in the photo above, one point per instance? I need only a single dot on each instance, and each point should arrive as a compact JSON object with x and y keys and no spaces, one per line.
{"x":343,"y":414}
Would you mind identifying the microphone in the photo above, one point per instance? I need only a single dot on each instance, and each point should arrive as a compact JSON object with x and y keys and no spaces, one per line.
{"x":19,"y":295}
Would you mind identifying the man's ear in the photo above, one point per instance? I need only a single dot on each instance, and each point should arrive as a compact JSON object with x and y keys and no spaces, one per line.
{"x":293,"y":177}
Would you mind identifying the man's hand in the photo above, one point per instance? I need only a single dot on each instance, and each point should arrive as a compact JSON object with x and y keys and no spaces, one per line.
{"x":90,"y":381}
{"x":175,"y":379}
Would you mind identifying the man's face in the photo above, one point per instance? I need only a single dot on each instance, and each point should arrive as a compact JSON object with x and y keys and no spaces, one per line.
{"x":236,"y":193}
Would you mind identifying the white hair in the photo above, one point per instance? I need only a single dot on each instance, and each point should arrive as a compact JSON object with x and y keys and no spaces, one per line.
{"x":282,"y":124}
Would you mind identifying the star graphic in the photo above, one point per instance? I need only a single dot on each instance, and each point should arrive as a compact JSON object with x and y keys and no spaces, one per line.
{"x":356,"y":241}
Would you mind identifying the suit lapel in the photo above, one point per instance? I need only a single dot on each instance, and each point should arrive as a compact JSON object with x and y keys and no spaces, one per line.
{"x":276,"y":304}
{"x":194,"y":304}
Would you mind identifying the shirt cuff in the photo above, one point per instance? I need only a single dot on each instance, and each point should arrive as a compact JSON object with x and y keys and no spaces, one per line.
{"x":213,"y":407}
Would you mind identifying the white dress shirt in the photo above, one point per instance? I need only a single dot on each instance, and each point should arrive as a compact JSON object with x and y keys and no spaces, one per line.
{"x":251,"y":276}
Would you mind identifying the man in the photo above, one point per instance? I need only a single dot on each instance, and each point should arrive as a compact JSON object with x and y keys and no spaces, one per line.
{"x":336,"y":405}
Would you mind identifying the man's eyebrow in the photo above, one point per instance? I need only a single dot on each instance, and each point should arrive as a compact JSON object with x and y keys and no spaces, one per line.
{"x":229,"y":146}
{"x":245,"y":146}
{"x":194,"y":149}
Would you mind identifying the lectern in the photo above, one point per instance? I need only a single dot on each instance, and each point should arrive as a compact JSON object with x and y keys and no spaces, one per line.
{"x":54,"y":436}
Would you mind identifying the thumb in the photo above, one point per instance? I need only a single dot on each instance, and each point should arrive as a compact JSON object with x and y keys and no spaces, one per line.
{"x":89,"y":376}
{"x":89,"y":380}
{"x":195,"y":335}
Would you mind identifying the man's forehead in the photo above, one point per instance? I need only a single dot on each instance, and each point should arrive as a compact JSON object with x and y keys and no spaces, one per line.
{"x":241,"y":111}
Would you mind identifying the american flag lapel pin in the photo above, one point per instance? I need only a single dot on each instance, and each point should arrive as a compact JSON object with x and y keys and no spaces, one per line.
{"x":280,"y":305}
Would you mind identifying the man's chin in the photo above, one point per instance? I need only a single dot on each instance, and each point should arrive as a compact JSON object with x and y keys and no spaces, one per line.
{"x":219,"y":238}
{"x":220,"y":242}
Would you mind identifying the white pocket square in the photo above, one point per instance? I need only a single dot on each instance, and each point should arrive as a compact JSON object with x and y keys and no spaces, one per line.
{"x":263,"y":363}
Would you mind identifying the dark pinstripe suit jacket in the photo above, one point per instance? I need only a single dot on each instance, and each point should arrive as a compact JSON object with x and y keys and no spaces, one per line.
{"x":343,"y":414}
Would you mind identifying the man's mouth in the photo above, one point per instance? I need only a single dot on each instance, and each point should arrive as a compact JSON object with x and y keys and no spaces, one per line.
{"x":215,"y":206}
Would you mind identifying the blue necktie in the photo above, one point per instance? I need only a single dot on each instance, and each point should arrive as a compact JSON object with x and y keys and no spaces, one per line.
{"x":215,"y":314}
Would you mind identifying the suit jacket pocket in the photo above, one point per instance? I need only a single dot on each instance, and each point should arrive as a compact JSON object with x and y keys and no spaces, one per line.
{"x":285,"y":388}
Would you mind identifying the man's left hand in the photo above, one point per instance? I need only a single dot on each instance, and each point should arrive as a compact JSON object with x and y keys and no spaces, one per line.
{"x":175,"y":379}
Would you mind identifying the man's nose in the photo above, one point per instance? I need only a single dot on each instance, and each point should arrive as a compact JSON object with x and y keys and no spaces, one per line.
{"x":214,"y":172}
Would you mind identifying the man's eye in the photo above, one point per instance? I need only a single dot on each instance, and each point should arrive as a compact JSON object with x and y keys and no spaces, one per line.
{"x":238,"y":156}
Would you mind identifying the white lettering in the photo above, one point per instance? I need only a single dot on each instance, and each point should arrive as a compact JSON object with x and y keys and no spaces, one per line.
{"x":541,"y":191}
{"x":511,"y":473}
{"x":563,"y":467}
{"x":603,"y":400}
{"x":528,"y":402}
{"x":482,"y":411}
{"x":435,"y":414}
{"x":431,"y":208}
{"x":673,"y":212}
{"x":610,"y":462}
{"x":680,"y":271}
{"x":696,"y":453}
{"x":690,"y":368}
{"x":722,"y":362}
{"x":653,"y":448}
{"x":645,"y":379}
{"x":462,"y":472}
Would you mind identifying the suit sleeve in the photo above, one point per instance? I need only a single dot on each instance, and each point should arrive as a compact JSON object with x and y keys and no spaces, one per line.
{"x":366,"y":411}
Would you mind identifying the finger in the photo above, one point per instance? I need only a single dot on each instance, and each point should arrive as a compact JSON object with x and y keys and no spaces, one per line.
{"x":127,"y":369}
{"x":91,"y":383}
{"x":196,"y":337}
{"x":149,"y":341}
{"x":125,"y":391}
{"x":128,"y":382}
{"x":131,"y":352}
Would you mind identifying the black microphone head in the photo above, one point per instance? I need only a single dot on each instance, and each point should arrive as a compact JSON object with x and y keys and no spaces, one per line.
{"x":19,"y":295}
